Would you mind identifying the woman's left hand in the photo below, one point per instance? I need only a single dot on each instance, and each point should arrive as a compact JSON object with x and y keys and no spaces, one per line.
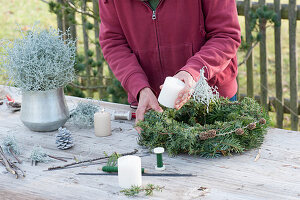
{"x":185,"y":94}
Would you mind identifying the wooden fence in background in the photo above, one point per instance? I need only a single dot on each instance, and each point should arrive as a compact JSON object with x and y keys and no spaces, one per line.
{"x":289,"y":12}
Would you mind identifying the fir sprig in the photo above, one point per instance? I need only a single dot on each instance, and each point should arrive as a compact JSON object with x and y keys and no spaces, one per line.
{"x":135,"y":190}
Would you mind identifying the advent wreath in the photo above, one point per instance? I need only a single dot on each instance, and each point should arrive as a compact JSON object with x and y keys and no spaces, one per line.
{"x":207,"y":125}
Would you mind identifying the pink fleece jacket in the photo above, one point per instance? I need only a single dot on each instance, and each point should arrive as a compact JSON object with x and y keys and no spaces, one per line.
{"x":143,"y":47}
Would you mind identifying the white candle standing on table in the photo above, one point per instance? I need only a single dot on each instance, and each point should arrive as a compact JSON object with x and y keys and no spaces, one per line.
{"x":170,"y":90}
{"x":102,"y":124}
{"x":129,"y":171}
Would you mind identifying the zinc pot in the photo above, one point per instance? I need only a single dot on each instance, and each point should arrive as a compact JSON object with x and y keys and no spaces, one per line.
{"x":44,"y":110}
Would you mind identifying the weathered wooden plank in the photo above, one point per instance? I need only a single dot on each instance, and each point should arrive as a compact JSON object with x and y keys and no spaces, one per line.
{"x":249,"y":63}
{"x":255,"y":5}
{"x":293,"y":63}
{"x":263,"y":61}
{"x":86,"y":48}
{"x":278,"y":68}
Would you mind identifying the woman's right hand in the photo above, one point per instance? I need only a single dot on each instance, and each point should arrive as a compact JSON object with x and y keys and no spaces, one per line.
{"x":147,"y":101}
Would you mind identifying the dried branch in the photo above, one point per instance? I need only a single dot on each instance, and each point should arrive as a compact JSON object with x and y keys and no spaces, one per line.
{"x":248,"y":54}
{"x":17,"y":168}
{"x":57,"y":158}
{"x":14,"y":155}
{"x":76,"y":9}
{"x":81,"y":11}
{"x":6,"y":162}
{"x":90,"y":160}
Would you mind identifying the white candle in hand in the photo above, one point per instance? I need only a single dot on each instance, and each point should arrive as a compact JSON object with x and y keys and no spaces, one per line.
{"x":129,"y":171}
{"x":102,"y":124}
{"x":170,"y":90}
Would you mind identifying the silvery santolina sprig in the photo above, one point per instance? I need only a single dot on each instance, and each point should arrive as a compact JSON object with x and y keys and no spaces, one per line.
{"x":40,"y":60}
{"x":203,"y":93}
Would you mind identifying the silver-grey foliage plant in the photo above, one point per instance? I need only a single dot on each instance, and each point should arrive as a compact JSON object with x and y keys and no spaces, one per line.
{"x":40,"y":60}
{"x":38,"y":154}
{"x":83,"y":115}
{"x":10,"y":143}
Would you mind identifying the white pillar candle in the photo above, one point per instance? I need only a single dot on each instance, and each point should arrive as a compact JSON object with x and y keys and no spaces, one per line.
{"x":102,"y":124}
{"x":129,"y":171}
{"x":170,"y":90}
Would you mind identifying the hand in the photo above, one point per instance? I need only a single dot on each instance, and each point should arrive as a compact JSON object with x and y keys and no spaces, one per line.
{"x":185,"y":94}
{"x":147,"y":101}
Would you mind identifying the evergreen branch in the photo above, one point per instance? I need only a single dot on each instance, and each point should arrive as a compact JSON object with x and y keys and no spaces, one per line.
{"x":135,"y":190}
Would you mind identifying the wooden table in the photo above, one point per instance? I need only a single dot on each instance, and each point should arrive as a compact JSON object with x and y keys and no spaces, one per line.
{"x":275,"y":174}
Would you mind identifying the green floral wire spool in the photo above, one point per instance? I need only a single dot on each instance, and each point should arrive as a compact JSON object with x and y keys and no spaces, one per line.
{"x":222,"y":128}
{"x":159,"y":160}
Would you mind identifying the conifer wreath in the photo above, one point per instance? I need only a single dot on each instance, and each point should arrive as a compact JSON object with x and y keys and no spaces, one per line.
{"x":220,"y":127}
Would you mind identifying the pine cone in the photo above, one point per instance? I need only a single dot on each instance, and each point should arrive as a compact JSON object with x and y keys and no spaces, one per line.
{"x":64,"y":139}
{"x":203,"y":136}
{"x":211,"y":133}
{"x":262,"y":121}
{"x":239,"y":131}
{"x":207,"y":135}
{"x":251,"y":126}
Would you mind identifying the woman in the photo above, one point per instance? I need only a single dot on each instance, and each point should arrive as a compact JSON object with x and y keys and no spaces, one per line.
{"x":146,"y":41}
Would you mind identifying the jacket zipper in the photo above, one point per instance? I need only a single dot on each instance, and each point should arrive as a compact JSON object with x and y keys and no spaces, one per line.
{"x":154,"y":17}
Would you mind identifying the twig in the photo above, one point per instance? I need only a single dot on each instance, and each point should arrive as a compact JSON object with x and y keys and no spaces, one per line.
{"x":14,"y":155}
{"x":76,"y":9}
{"x":80,"y":165}
{"x":57,"y":158}
{"x":6,"y":162}
{"x":166,"y":133}
{"x":248,"y":54}
{"x":17,"y":168}
{"x":90,"y":160}
{"x":89,"y":164}
{"x":81,"y":11}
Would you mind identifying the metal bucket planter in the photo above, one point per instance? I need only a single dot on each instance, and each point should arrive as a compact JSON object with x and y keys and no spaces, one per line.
{"x":44,"y":110}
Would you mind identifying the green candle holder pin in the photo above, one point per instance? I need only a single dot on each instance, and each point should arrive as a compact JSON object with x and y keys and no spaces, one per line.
{"x":159,"y":164}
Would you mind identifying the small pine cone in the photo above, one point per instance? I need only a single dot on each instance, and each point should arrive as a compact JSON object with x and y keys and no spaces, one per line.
{"x":239,"y":131}
{"x":203,"y":136}
{"x":211,"y":133}
{"x":262,"y":121}
{"x":207,"y":135}
{"x":64,"y":139}
{"x":251,"y":126}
